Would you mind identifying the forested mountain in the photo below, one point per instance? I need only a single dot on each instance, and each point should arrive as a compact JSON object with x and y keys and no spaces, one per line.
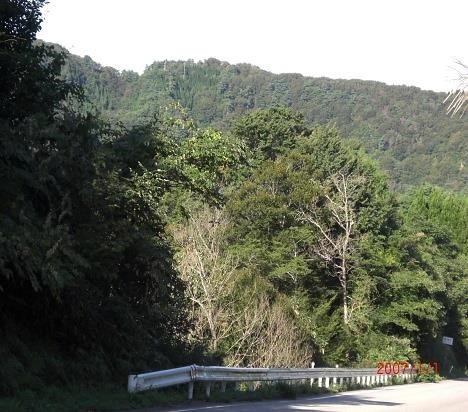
{"x":133,"y":239}
{"x":405,"y":128}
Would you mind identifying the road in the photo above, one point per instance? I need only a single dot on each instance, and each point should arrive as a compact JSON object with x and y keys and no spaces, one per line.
{"x":446,"y":396}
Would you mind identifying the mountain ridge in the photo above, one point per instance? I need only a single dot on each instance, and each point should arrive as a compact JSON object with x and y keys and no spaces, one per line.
{"x":405,"y":128}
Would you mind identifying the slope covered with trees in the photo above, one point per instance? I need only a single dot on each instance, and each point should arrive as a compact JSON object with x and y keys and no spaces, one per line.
{"x":157,"y":242}
{"x":311,"y":237}
{"x":88,"y":288}
{"x":405,"y":128}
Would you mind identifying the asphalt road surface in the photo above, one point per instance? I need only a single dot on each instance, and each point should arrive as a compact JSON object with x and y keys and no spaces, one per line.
{"x":446,"y":396}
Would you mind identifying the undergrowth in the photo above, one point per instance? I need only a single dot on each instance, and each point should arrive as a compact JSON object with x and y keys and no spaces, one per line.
{"x":112,"y":398}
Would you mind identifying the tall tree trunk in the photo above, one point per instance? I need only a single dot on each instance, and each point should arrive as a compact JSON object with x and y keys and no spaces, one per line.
{"x":345,"y":301}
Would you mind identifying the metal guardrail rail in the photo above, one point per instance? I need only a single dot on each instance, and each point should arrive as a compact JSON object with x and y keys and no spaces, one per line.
{"x":322,"y":377}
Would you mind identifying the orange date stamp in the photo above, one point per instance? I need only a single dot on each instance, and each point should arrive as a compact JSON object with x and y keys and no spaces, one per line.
{"x":395,"y":368}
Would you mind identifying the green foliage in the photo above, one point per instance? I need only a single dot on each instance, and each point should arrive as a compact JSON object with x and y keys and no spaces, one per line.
{"x":89,"y":287}
{"x":86,"y":268}
{"x":271,"y":132}
{"x":435,"y":249}
{"x":405,"y":128}
{"x":79,"y":399}
{"x":445,"y":210}
{"x":279,"y":247}
{"x":279,"y":390}
{"x":427,"y":374}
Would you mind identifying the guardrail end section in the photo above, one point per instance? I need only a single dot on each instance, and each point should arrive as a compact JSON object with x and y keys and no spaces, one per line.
{"x":132,"y":383}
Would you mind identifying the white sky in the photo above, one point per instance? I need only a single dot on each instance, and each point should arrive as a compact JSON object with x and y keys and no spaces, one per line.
{"x":412,"y":42}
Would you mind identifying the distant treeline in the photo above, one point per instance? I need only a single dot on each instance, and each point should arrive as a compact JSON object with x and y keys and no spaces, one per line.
{"x":405,"y":128}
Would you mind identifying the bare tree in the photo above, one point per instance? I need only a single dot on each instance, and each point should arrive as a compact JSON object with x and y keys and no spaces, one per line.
{"x":249,"y":328}
{"x":208,"y":272}
{"x":266,"y":336}
{"x":336,"y":235}
{"x":458,"y":98}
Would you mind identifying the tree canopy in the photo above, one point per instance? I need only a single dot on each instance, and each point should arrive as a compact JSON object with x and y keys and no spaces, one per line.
{"x":135,"y":237}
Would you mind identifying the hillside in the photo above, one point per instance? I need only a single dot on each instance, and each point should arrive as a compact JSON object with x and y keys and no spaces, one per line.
{"x":405,"y":128}
{"x":274,"y":242}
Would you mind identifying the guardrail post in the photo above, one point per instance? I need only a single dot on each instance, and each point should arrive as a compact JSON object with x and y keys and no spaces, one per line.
{"x":327,"y":382}
{"x":223,"y":386}
{"x":335,"y":380}
{"x":131,"y":387}
{"x":319,"y":382}
{"x":208,"y":389}
{"x":190,"y":391}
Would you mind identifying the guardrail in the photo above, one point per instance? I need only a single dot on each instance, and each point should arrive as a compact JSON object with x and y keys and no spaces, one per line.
{"x":322,"y":377}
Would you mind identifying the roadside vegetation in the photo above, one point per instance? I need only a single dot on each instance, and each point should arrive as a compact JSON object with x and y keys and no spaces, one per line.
{"x":55,"y":399}
{"x":275,"y":242}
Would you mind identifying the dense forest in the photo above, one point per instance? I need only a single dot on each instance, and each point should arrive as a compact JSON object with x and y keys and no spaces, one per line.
{"x":147,"y":223}
{"x":404,"y":128}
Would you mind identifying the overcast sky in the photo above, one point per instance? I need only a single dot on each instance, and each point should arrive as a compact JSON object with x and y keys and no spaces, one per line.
{"x":412,"y":42}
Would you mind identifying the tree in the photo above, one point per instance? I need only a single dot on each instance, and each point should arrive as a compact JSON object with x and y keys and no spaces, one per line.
{"x":306,"y":220}
{"x":458,"y":98}
{"x":30,"y":71}
{"x":269,"y":132}
{"x":232,"y":312}
{"x":336,"y":238}
{"x":430,"y":250}
{"x":36,"y":137}
{"x":86,"y":268}
{"x":209,"y":274}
